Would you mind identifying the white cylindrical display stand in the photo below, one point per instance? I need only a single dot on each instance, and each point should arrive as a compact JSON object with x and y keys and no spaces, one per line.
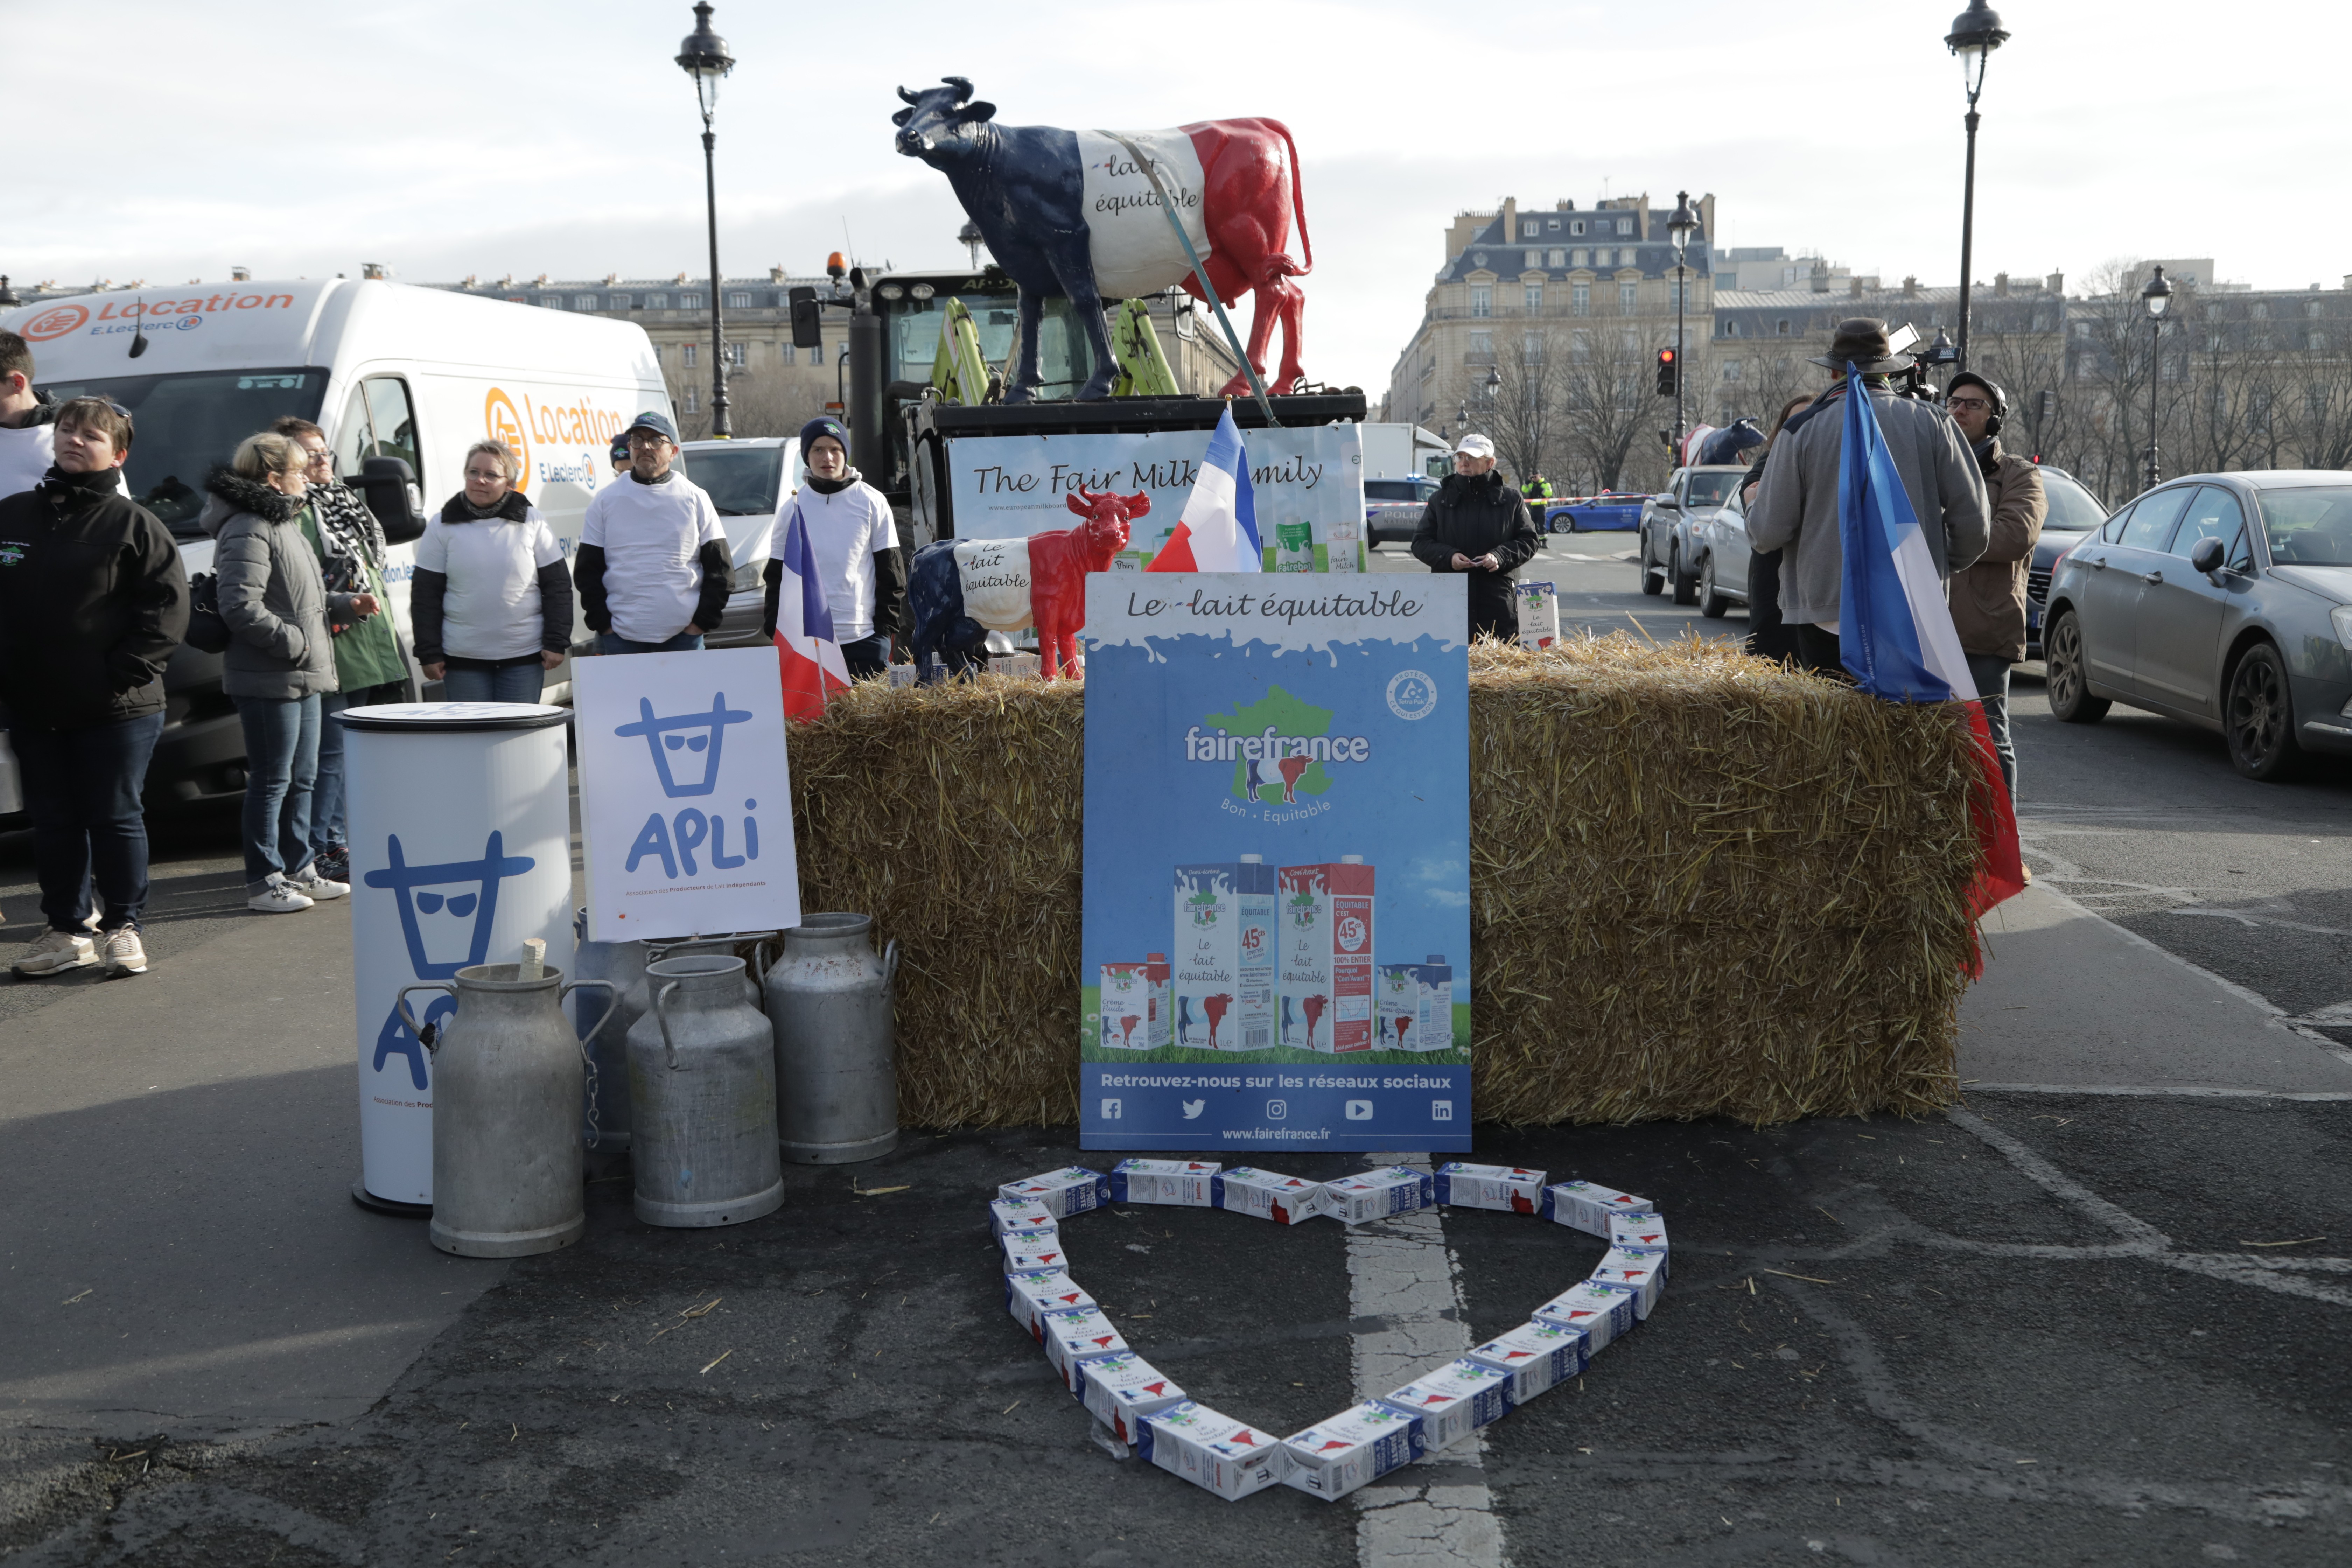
{"x":461,"y":847}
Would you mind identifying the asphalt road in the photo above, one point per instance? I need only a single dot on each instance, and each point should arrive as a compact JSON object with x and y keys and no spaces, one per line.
{"x":2047,"y":1328}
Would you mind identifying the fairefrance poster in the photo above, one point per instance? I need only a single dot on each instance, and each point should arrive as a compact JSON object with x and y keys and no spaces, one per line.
{"x":1276,"y":936}
{"x":1310,"y":484}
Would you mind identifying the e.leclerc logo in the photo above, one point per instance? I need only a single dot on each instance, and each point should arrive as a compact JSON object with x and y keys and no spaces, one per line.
{"x":1278,"y":748}
{"x":503,"y":423}
{"x":54,"y":322}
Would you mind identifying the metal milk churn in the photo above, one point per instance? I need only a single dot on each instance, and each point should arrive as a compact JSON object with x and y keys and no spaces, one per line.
{"x":702,"y":1084}
{"x":636,"y":999}
{"x":507,"y":1076}
{"x":836,"y":1056}
{"x":623,"y":963}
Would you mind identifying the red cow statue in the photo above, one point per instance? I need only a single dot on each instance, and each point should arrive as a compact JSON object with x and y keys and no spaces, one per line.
{"x":950,"y":620}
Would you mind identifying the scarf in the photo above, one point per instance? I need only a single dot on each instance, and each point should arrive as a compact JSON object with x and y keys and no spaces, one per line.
{"x":834,"y":486}
{"x":347,"y":527}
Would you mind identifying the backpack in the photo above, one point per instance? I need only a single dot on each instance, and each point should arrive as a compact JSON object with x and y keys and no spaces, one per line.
{"x":208,"y":632}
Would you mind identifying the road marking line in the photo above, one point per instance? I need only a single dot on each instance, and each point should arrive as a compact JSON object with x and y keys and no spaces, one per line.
{"x":2182,"y":1091}
{"x":1438,"y":1514}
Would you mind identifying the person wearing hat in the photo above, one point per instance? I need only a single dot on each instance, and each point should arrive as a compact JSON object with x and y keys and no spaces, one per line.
{"x":855,"y":545}
{"x":621,"y":455}
{"x":1796,"y":508}
{"x":1988,"y":598}
{"x":1477,"y":524}
{"x":653,"y":563}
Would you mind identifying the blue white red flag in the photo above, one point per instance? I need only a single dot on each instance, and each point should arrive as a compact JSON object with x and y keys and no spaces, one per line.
{"x":1896,"y":637}
{"x":813,"y":669}
{"x":1218,"y":532}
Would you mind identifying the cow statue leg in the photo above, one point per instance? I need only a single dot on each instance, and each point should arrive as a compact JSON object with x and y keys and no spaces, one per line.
{"x":1085,"y":304}
{"x":1023,"y":385}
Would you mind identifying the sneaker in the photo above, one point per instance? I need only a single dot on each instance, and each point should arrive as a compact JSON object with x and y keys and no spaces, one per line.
{"x":279,"y":899}
{"x":119,"y":952}
{"x":318,"y":888}
{"x":334,"y":863}
{"x":55,"y":950}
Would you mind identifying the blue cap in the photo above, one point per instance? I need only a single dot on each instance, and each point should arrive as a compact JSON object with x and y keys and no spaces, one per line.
{"x":653,"y":419}
{"x":621,"y":448}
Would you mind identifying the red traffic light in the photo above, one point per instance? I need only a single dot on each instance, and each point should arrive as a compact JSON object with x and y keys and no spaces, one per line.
{"x":1665,"y":356}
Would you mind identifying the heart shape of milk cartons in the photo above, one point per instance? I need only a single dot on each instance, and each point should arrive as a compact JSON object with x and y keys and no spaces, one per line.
{"x":1139,"y":1405}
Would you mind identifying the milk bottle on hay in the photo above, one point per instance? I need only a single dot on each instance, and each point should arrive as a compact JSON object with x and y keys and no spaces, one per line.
{"x":1223,"y":969}
{"x":1326,"y":956}
{"x":1126,"y":1007}
{"x":1538,"y":614}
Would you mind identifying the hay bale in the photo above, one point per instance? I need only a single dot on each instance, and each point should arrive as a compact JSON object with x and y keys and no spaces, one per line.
{"x":1700,"y":885}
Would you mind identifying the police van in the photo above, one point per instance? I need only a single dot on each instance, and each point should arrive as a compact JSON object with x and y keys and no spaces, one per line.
{"x":402,"y":379}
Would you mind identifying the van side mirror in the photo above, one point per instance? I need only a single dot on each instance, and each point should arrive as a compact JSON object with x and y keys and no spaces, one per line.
{"x":390,"y":486}
{"x":2206,"y":557}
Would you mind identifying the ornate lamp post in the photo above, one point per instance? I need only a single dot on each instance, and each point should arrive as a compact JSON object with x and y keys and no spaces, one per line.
{"x":2156,"y":297}
{"x":704,"y":56}
{"x":1681,"y":226}
{"x":971,"y":239}
{"x":1976,"y":32}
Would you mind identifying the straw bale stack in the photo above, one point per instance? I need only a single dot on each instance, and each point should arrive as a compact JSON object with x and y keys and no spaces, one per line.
{"x":1700,"y":885}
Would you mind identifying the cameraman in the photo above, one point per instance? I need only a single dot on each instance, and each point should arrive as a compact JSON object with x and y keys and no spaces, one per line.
{"x":1988,"y":598}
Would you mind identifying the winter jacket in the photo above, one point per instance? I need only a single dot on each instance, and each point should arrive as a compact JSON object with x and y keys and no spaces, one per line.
{"x":270,"y":591}
{"x":93,"y":604}
{"x":1479,"y":515}
{"x":1988,"y":598}
{"x":529,"y":579}
{"x":1796,"y":509}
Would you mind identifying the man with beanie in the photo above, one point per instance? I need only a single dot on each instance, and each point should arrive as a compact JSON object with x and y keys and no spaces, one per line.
{"x":855,"y":545}
{"x":1477,"y":524}
{"x":653,"y":563}
{"x":1988,"y":598}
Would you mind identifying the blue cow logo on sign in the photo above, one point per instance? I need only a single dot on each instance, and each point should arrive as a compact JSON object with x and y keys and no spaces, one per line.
{"x":446,"y":911}
{"x":676,"y":740}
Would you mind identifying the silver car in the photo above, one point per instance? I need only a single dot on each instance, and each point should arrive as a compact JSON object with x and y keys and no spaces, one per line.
{"x":1671,"y":520}
{"x":2224,"y":600}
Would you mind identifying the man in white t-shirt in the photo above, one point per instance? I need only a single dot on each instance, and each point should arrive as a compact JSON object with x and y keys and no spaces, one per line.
{"x":652,"y":563}
{"x":28,"y":422}
{"x":856,"y":546}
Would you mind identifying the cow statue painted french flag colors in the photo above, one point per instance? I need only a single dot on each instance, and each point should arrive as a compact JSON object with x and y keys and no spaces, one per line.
{"x":1897,"y":638}
{"x":813,"y":669}
{"x":1218,"y":532}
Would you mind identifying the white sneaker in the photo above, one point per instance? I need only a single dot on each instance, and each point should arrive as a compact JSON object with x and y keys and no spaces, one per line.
{"x":54,"y":950}
{"x":318,"y":888}
{"x":119,"y":952}
{"x":278,"y":899}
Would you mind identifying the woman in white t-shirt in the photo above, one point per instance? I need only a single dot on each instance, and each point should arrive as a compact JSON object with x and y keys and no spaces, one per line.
{"x":855,"y":542}
{"x":491,"y":601}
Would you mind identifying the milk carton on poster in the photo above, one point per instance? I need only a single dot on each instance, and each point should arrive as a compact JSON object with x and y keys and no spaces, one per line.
{"x":1019,"y":1213}
{"x":1344,"y":551}
{"x":1538,"y":614}
{"x":1602,"y":1313}
{"x":1453,"y":1401}
{"x":1434,"y":1004}
{"x":1186,"y":1184}
{"x":1155,"y":982}
{"x":1535,"y":1356}
{"x":1071,"y":1190}
{"x":1077,"y":1336}
{"x":1225,"y":959}
{"x":1396,"y":1006}
{"x":1585,"y":1207}
{"x":1332,"y":1458}
{"x":1376,"y":1195}
{"x":1029,"y":1297}
{"x":1510,"y":1188}
{"x":1268,"y":1194}
{"x":1125,"y":1007}
{"x":1326,"y":956}
{"x":1121,"y":1390}
{"x":1213,"y":1452}
{"x":1294,"y":546}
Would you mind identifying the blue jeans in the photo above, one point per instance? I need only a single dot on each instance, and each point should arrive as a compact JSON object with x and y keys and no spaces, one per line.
{"x":510,"y":683}
{"x":1991,"y":674}
{"x":81,"y":791}
{"x":613,"y":642}
{"x":281,"y":770}
{"x":327,"y":800}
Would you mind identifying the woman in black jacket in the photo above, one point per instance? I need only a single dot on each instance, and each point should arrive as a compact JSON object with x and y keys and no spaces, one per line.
{"x":1478,"y":525}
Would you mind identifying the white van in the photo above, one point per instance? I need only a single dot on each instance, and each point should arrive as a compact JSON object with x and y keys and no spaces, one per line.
{"x":399,"y":377}
{"x":751,"y":480}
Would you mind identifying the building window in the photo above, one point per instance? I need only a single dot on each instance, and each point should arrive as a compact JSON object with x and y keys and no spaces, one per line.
{"x":617,"y":302}
{"x":1481,"y":346}
{"x":583,"y":301}
{"x":1535,"y":298}
{"x":2083,"y":331}
{"x":689,"y":400}
{"x":2261,"y":310}
{"x":2312,"y":309}
{"x":1482,"y":298}
{"x":1535,"y":258}
{"x":1580,"y":299}
{"x":738,"y":301}
{"x":1553,"y":224}
{"x":1558,"y":259}
{"x":784,"y":351}
{"x":1788,"y":277}
{"x":1624,"y":226}
{"x":1529,"y":230}
{"x":693,"y":353}
{"x":552,"y":301}
{"x":2317,"y":342}
{"x":1531,"y":348}
{"x":1579,"y":258}
{"x":1627,"y":294}
{"x":689,"y":301}
{"x":1732,"y":370}
{"x":1601,"y":258}
{"x":1576,"y":226}
{"x":656,"y":301}
{"x":1781,"y":329}
{"x":736,"y":354}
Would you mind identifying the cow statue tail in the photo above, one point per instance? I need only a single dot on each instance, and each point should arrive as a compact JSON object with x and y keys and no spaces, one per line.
{"x":1298,"y":210}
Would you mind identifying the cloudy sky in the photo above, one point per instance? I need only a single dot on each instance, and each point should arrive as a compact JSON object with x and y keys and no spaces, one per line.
{"x":165,"y":141}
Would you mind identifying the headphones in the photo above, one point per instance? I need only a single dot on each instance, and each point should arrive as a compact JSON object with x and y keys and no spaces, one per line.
{"x":2000,"y":398}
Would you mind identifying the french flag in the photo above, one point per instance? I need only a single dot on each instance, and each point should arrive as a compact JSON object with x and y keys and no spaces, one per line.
{"x":1897,"y":640}
{"x":813,"y":669}
{"x":1218,"y":532}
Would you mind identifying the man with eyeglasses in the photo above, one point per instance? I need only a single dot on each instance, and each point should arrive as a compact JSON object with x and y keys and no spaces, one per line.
{"x":1988,"y":598}
{"x":653,"y":565}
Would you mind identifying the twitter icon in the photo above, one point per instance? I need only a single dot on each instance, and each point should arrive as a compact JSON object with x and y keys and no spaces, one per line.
{"x":1193,"y":1108}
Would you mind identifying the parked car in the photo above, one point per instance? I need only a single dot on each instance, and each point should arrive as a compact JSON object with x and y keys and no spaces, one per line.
{"x":2222,"y":600}
{"x":749,"y":481}
{"x":1392,"y":508}
{"x":2074,"y":512}
{"x":1721,"y":542}
{"x":1669,"y":546}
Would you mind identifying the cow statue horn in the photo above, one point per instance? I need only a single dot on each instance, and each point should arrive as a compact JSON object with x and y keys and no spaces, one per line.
{"x":962,"y":85}
{"x":906,"y":97}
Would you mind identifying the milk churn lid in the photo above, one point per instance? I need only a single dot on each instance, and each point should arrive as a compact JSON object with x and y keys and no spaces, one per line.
{"x":447,"y":718}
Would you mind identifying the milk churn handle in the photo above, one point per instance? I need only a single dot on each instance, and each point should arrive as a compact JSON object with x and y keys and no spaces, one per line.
{"x":400,"y":1005}
{"x":583,"y":984}
{"x":661,"y":1016}
{"x":760,"y":962}
{"x":890,"y":961}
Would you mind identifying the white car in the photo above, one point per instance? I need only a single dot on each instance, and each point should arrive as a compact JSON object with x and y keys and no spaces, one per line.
{"x":750,"y":481}
{"x":1671,"y":525}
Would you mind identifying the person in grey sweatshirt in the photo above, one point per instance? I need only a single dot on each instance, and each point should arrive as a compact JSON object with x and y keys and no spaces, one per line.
{"x":1796,"y":508}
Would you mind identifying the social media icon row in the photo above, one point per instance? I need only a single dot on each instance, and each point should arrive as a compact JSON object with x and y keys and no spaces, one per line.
{"x":1115,"y":1110}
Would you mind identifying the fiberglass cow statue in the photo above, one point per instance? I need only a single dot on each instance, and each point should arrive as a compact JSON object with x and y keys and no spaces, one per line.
{"x":1073,"y":213}
{"x":961,"y":590}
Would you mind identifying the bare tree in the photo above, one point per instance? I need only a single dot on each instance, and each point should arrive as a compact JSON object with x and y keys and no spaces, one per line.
{"x":1526,"y":413}
{"x":1611,"y":403}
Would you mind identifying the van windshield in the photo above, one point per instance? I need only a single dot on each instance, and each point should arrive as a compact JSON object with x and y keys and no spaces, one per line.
{"x":741,"y":481}
{"x":185,"y":425}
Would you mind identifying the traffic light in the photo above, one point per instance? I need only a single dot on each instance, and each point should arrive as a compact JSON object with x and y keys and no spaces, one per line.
{"x":1667,"y":371}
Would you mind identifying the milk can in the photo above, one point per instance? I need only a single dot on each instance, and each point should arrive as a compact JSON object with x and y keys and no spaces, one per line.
{"x":508,"y":1074}
{"x":836,"y":1060}
{"x":623,"y":963}
{"x":702,"y":1086}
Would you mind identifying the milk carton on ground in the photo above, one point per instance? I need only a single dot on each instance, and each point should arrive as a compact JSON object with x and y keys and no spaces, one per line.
{"x":1602,"y":1312}
{"x":1453,"y":1401}
{"x":1538,"y":614}
{"x":1647,"y":1230}
{"x":1184,"y":1183}
{"x":1027,"y":1251}
{"x":1434,"y":1001}
{"x":1326,"y":984}
{"x":1075,"y":1337}
{"x":1510,"y":1188}
{"x":1223,"y":960}
{"x":1019,"y":1213}
{"x":1124,"y":1003}
{"x":1122,"y":1389}
{"x":1376,"y":1195}
{"x":1217,"y":1453}
{"x":1332,"y":1458}
{"x":1535,"y":1356}
{"x":1640,"y":1269}
{"x":1582,"y":1205}
{"x":1268,"y":1194}
{"x":1030,"y":1296}
{"x":1155,"y":982}
{"x":1074,"y":1189}
{"x":1396,"y":1006}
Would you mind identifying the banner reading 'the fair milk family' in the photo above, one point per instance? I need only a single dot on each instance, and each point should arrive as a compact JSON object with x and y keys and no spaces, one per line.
{"x":686,"y":811}
{"x":1276,"y":936}
{"x":1310,"y":484}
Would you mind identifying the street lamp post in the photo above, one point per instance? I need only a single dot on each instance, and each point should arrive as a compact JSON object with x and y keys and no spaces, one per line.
{"x":971,"y":239}
{"x":2156,"y":297}
{"x":1681,"y":226}
{"x":704,"y":56}
{"x":1976,"y":32}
